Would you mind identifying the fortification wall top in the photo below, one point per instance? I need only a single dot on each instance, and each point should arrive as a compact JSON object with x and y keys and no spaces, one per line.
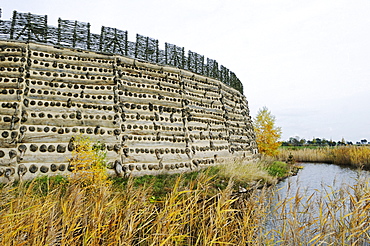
{"x":28,"y":27}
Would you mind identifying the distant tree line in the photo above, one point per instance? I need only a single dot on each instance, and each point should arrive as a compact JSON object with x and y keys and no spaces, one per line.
{"x":297,"y":141}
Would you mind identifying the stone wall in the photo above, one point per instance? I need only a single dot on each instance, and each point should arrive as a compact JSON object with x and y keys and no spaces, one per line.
{"x":151,"y":118}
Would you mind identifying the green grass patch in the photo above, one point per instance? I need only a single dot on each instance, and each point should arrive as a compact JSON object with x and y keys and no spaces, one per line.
{"x":241,"y":173}
{"x":278,"y":169}
{"x":160,"y":185}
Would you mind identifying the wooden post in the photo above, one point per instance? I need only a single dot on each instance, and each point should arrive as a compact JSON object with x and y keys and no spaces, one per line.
{"x":59,"y":30}
{"x":13,"y":24}
{"x":126,"y":44}
{"x":146,"y":49}
{"x":88,"y":36}
{"x":115,"y":40}
{"x":136,"y":45}
{"x":101,"y":39}
{"x":46,"y":29}
{"x":165,"y":54}
{"x":28,"y":26}
{"x":182,"y":58}
{"x":74,"y":37}
{"x":156,"y":51}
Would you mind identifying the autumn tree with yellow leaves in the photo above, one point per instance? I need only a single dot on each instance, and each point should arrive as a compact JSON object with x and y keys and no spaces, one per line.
{"x":88,"y":163}
{"x":267,"y":134}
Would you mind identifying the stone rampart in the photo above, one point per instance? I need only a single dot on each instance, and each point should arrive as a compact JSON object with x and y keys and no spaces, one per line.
{"x":151,"y":118}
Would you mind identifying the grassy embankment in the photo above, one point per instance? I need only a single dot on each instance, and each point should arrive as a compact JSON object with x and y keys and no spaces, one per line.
{"x":358,"y":156}
{"x":189,"y":209}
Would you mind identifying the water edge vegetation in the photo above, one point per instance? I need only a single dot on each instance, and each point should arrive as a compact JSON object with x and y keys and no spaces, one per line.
{"x":357,"y":156}
{"x":199,"y":208}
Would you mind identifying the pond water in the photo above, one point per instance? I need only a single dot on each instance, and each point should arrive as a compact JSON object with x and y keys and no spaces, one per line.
{"x":314,"y":177}
{"x":318,"y":203}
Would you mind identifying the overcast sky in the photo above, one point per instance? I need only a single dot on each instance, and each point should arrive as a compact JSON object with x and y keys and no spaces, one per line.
{"x":308,"y":61}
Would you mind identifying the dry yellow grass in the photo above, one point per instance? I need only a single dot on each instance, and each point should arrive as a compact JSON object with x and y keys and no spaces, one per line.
{"x":53,"y":213}
{"x":81,"y":215}
{"x":358,"y":156}
{"x":247,"y":171}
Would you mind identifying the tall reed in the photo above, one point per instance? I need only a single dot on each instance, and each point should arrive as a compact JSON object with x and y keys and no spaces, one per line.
{"x":77,"y":214}
{"x":51,"y":212}
{"x":358,"y":156}
{"x":325,"y":217}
